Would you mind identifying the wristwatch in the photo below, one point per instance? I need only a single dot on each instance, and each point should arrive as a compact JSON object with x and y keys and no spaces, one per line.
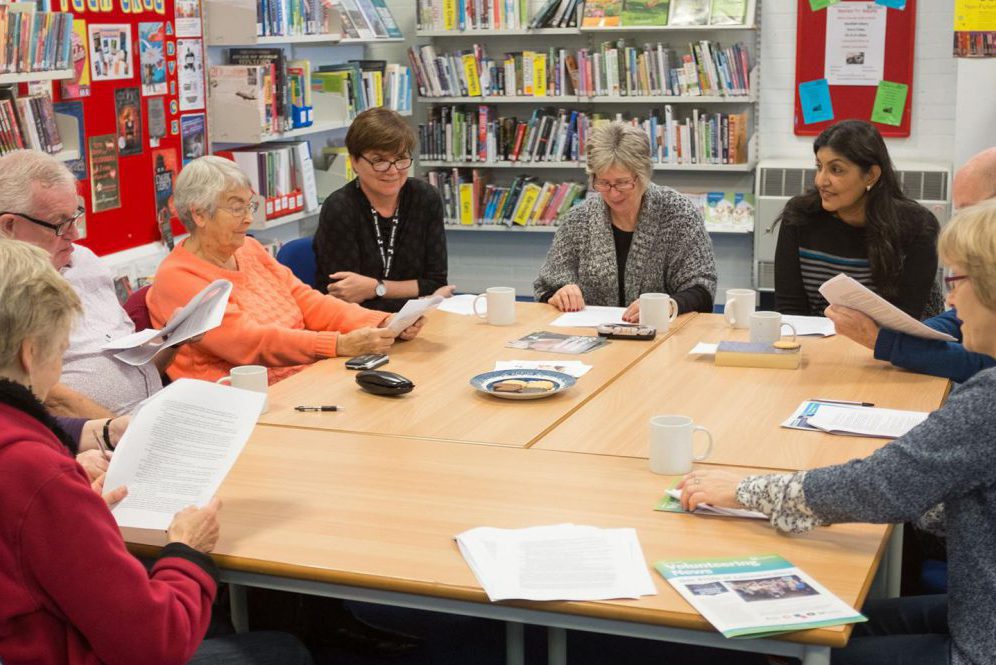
{"x":381,"y":289}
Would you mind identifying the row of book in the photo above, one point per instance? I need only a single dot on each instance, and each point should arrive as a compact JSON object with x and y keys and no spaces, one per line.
{"x":469,"y":199}
{"x":613,"y":69}
{"x":365,"y":19}
{"x":366,"y":84}
{"x":360,"y":19}
{"x":471,"y":14}
{"x":560,"y":135}
{"x":34,"y":41}
{"x":658,"y":13}
{"x":281,"y":173}
{"x":28,"y":122}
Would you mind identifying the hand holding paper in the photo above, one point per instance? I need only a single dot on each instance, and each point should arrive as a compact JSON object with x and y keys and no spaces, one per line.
{"x":412,"y":311}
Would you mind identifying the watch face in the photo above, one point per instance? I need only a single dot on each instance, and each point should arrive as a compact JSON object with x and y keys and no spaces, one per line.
{"x":380,"y":289}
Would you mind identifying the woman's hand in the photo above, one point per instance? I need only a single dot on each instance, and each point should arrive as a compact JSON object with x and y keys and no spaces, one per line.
{"x":568,"y":298}
{"x":412,"y":331}
{"x":94,"y":463}
{"x":365,"y":340}
{"x":632,"y":313}
{"x":352,"y":287}
{"x":196,"y":527}
{"x":445,"y":291}
{"x":852,"y":323}
{"x":717,"y":488}
{"x":113,"y":497}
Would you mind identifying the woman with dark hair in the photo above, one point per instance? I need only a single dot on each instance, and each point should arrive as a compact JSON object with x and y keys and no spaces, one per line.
{"x":857,"y":221}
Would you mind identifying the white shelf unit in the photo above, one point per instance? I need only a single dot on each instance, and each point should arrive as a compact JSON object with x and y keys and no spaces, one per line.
{"x":477,"y":34}
{"x":26,"y":77}
{"x":267,"y":224}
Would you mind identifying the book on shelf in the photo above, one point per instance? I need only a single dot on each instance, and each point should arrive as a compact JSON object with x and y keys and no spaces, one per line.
{"x":459,"y":15}
{"x":275,"y":58}
{"x":689,"y":12}
{"x":28,"y":123}
{"x":728,"y":12}
{"x":725,"y":211}
{"x":290,"y":18}
{"x":244,"y":95}
{"x":32,"y":41}
{"x":660,"y":13}
{"x":365,"y":19}
{"x":281,"y":173}
{"x":613,"y":69}
{"x":557,"y":14}
{"x":366,"y":84}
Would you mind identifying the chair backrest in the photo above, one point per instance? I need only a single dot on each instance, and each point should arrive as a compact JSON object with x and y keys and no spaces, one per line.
{"x":138,"y":310}
{"x":299,"y":256}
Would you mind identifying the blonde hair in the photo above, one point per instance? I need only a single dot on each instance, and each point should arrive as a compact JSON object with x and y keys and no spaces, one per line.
{"x":622,"y":145}
{"x":201,"y":182}
{"x":35,"y":301}
{"x":969,"y":242}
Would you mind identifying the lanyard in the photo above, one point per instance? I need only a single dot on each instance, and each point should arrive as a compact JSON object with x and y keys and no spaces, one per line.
{"x":388,"y":258}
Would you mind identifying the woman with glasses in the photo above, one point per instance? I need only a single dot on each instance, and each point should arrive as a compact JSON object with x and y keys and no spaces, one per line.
{"x":380,"y":239}
{"x":637,"y":237}
{"x":939,"y":474}
{"x":272,"y":318}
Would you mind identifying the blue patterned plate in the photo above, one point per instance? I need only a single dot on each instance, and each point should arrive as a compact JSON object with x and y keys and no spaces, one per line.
{"x":485,"y":382}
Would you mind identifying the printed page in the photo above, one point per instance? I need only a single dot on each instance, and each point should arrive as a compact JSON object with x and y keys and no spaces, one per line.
{"x":843,"y":290}
{"x":883,"y":423}
{"x":591,"y":316}
{"x":463,"y":304}
{"x":412,"y":310}
{"x":809,"y":325}
{"x":178,"y":449}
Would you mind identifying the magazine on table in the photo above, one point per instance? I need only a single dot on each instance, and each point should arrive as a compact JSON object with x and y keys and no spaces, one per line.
{"x":557,"y":343}
{"x":756,"y":596}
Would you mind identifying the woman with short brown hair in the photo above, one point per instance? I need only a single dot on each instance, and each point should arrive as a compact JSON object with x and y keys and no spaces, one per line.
{"x":380,"y":239}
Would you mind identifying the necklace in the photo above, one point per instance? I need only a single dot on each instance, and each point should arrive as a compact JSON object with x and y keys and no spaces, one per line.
{"x":386,"y":258}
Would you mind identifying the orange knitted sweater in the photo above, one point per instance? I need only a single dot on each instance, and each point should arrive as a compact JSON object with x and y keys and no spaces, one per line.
{"x":272,"y":318}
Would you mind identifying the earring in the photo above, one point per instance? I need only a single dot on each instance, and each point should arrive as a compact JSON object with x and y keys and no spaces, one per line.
{"x":868,"y":188}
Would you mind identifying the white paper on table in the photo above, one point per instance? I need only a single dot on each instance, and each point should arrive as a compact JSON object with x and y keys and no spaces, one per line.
{"x":412,"y":311}
{"x":810,"y":325}
{"x":704,"y":349}
{"x":866,"y":421}
{"x":560,"y":562}
{"x":463,"y":304}
{"x":591,"y":316}
{"x":178,"y":449}
{"x":708,"y":509}
{"x":575,"y":368}
{"x":843,"y":290}
{"x":204,"y":312}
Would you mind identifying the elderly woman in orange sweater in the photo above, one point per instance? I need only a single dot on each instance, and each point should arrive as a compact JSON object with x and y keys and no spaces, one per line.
{"x":272,"y":318}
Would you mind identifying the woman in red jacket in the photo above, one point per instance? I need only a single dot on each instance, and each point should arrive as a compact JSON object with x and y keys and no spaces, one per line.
{"x":70,"y":593}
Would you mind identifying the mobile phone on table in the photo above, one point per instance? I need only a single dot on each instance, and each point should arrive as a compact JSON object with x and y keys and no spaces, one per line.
{"x":367,"y":361}
{"x":626,"y":331}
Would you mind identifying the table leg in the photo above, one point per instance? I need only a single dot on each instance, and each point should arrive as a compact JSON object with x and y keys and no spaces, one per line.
{"x":816,"y":656}
{"x":556,"y":647}
{"x":515,"y":643}
{"x":240,"y":608}
{"x":894,"y":555}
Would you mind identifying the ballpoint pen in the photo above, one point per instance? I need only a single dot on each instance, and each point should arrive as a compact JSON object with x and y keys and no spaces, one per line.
{"x":100,"y":444}
{"x":318,"y":408}
{"x":841,"y":401}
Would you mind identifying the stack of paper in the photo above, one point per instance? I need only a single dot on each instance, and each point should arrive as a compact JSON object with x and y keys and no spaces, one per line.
{"x":463,"y":304}
{"x":847,"y":292}
{"x":591,"y":316}
{"x":853,"y":419}
{"x":810,"y":325}
{"x":559,"y":562}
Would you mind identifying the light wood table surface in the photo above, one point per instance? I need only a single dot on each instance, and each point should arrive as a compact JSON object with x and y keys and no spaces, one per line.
{"x":450,"y":350}
{"x":742,"y":407}
{"x":381,"y":512}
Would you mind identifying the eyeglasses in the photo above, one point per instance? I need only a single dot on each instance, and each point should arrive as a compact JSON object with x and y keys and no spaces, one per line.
{"x":60,"y":228}
{"x":619,"y":185}
{"x":383,"y":165}
{"x":951,"y":281}
{"x":242,"y":211}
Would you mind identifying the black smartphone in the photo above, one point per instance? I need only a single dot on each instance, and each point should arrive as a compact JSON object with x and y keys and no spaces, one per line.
{"x":367,"y":361}
{"x":626,"y":331}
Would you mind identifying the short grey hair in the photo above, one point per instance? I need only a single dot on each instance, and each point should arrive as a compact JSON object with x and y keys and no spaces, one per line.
{"x":622,"y":145}
{"x":201,"y":182}
{"x":20,"y":168}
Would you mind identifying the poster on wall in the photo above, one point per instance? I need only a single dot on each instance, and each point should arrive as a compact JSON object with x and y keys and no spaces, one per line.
{"x":79,"y":85}
{"x":75,"y":110}
{"x":128,"y":109}
{"x":190,"y":63}
{"x":111,"y":52}
{"x":188,"y":18}
{"x":855,"y":43}
{"x":192,"y":130}
{"x":164,"y":169}
{"x":157,"y":120}
{"x":104,"y":187}
{"x":152,"y":58}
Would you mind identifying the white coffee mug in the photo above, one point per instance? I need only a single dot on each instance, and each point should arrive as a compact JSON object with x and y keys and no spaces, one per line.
{"x":739,"y":306}
{"x":248,"y":377}
{"x":766,"y":327}
{"x":501,"y":305}
{"x":657,"y":310}
{"x":671,"y":445}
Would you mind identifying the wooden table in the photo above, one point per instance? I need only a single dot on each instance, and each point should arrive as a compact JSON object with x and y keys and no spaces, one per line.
{"x":441,"y":361}
{"x":742,"y":407}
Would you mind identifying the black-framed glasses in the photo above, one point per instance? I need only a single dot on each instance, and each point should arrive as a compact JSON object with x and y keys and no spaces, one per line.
{"x":242,"y":211}
{"x":383,"y":165}
{"x":60,"y":228}
{"x":619,"y":186}
{"x":951,"y":281}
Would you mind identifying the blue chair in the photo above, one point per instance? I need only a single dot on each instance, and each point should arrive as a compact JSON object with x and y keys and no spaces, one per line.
{"x":299,"y":256}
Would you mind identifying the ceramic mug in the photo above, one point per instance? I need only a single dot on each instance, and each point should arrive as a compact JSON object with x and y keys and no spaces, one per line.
{"x":248,"y":377}
{"x":657,"y":310}
{"x":739,"y":306}
{"x":766,"y":327}
{"x":671,"y":452}
{"x":501,"y":305}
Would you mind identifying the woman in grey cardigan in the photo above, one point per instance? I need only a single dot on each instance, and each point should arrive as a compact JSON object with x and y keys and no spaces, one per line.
{"x":637,"y":237}
{"x":940,"y":473}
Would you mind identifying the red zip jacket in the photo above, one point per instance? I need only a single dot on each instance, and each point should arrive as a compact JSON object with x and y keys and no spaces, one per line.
{"x":70,"y":593}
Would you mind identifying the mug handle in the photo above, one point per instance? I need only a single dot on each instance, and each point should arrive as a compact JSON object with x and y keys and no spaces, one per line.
{"x":708,"y":450}
{"x":791,"y":327}
{"x":476,"y":313}
{"x":227,"y":377}
{"x":728,"y":312}
{"x":673,"y":309}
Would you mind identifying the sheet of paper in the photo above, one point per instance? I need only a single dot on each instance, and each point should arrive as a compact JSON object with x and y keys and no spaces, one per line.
{"x":843,"y":290}
{"x":814,"y":97}
{"x":463,"y":304}
{"x":704,"y":349}
{"x":890,"y":102}
{"x":817,"y":5}
{"x":800,"y":417}
{"x":855,"y":44}
{"x":575,"y":368}
{"x":894,"y":4}
{"x":412,"y":310}
{"x":178,"y":449}
{"x":810,"y":325}
{"x":884,"y":423}
{"x":590,"y":317}
{"x":707,"y":509}
{"x":974,"y":16}
{"x":204,"y":312}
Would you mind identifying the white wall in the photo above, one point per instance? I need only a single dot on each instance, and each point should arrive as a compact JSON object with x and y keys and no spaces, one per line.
{"x":976,"y":108}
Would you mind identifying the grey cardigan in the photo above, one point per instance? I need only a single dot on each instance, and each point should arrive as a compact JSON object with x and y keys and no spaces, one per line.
{"x":671,"y":251}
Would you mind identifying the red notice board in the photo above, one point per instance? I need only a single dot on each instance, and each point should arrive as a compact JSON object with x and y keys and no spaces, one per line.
{"x":852,"y":101}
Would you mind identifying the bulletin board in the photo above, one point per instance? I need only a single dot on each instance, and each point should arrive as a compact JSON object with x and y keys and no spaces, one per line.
{"x":854,"y":101}
{"x":126,"y":218}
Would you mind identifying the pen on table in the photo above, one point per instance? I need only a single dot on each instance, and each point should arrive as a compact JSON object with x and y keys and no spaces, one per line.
{"x":841,"y":401}
{"x":329,"y":407}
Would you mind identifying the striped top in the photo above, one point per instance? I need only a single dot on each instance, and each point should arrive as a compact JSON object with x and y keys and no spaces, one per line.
{"x":817,"y":267}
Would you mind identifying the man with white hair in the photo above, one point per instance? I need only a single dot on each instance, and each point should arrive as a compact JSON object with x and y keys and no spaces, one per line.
{"x":39,"y":205}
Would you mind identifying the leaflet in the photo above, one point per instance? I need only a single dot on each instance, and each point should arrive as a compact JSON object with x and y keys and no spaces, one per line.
{"x":756,"y":596}
{"x":557,"y":343}
{"x":412,"y":311}
{"x":853,"y":419}
{"x":591,"y":316}
{"x":204,"y":312}
{"x":671,"y":503}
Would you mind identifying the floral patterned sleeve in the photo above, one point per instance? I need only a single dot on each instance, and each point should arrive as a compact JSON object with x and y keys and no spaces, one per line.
{"x":781,"y":498}
{"x":933,"y":521}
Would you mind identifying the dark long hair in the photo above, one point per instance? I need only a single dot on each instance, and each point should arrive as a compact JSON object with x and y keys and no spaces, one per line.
{"x":890,"y":215}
